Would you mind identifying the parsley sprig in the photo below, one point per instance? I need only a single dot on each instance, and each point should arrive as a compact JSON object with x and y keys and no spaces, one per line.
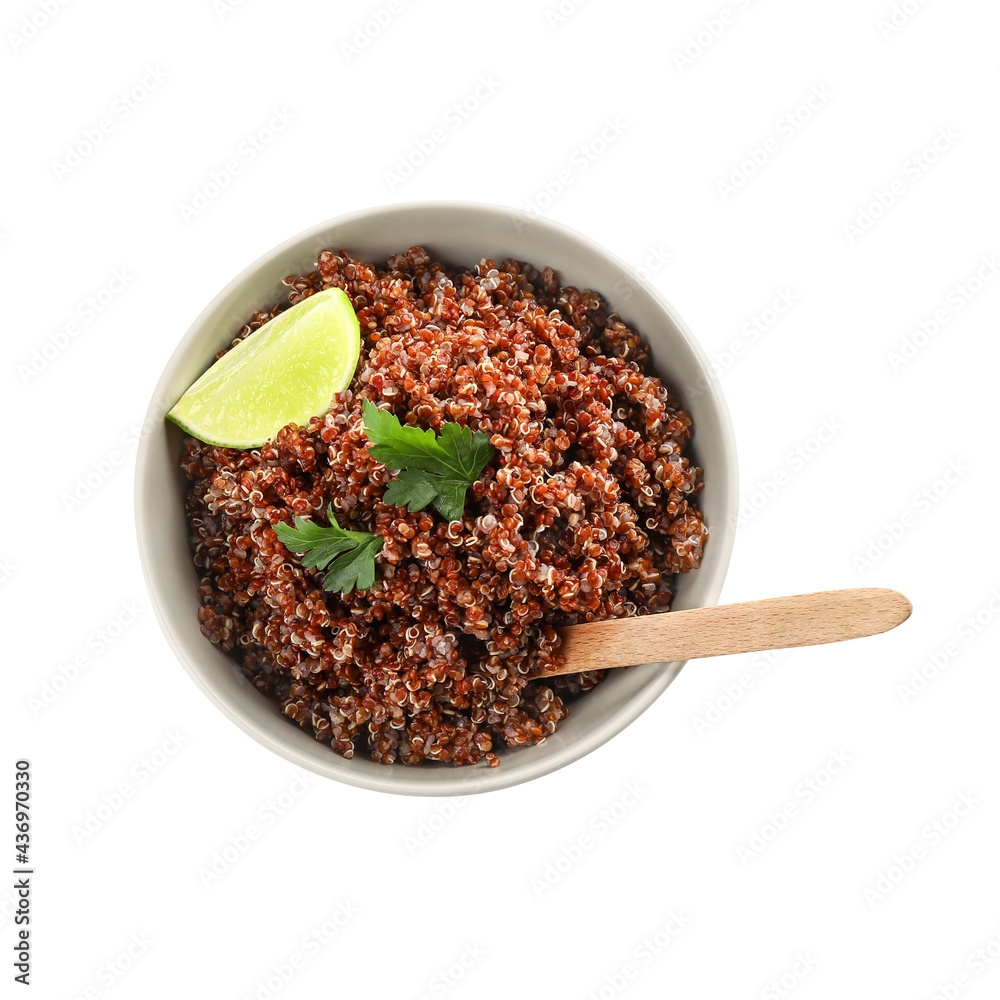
{"x":435,"y":469}
{"x":347,"y":556}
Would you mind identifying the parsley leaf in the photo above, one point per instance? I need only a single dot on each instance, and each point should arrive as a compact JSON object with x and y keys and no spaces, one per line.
{"x":418,"y":488}
{"x":436,"y":468}
{"x":411,"y":486}
{"x":356,"y":569}
{"x":347,"y":556}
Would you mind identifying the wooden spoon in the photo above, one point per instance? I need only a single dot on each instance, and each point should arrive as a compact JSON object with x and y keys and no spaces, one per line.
{"x":776,"y":623}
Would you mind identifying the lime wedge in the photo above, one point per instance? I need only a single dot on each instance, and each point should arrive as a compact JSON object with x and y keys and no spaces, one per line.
{"x":285,"y":372}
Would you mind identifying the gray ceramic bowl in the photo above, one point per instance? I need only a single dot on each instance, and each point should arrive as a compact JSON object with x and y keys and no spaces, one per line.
{"x":463,"y":234}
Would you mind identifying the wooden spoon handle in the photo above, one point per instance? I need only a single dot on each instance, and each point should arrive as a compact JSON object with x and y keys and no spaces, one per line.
{"x":776,"y":623}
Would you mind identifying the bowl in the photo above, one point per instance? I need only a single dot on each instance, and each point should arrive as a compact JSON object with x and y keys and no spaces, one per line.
{"x":460,"y":233}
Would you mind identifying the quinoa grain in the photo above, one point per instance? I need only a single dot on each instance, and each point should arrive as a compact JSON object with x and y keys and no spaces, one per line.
{"x":584,"y":513}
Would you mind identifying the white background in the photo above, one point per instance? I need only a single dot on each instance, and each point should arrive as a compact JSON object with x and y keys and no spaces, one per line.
{"x":824,"y":908}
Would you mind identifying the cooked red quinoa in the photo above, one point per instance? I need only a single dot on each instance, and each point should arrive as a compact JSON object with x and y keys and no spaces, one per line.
{"x":583,"y":513}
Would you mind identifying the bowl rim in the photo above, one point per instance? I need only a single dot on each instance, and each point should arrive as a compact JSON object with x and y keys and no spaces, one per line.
{"x":449,"y":781}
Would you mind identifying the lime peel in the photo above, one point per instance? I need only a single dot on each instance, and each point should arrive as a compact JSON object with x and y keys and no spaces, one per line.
{"x":285,"y":372}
